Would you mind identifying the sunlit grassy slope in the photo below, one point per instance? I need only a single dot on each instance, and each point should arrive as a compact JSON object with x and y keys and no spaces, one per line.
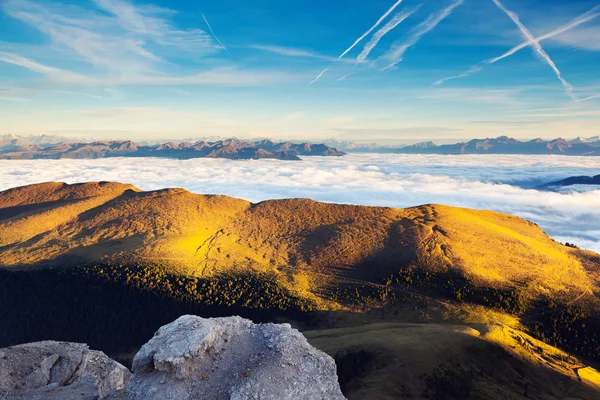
{"x":504,"y":249}
{"x":203,"y":235}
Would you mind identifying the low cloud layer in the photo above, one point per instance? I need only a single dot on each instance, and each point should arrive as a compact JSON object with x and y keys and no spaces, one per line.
{"x":498,"y":183}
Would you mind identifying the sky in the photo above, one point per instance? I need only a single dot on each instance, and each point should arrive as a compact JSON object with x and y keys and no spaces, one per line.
{"x":495,"y":182}
{"x":398,"y":71}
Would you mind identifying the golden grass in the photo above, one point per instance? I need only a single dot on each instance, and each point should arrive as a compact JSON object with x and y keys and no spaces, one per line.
{"x":301,"y":239}
{"x":540,"y":353}
{"x":504,"y":249}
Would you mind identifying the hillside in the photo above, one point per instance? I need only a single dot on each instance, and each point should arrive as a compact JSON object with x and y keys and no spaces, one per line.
{"x":429,"y":361}
{"x":216,"y":255}
{"x":204,"y":235}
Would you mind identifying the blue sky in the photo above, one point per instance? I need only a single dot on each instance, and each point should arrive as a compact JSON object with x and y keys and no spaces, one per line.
{"x":141,"y":69}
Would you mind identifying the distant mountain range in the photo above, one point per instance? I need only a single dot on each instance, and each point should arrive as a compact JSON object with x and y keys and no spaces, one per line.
{"x":50,"y":146}
{"x":501,"y":145}
{"x":506,"y":145}
{"x":571,"y":181}
{"x":235,"y":149}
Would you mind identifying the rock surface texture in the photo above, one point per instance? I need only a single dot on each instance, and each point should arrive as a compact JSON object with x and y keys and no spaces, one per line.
{"x":58,"y":370}
{"x":190,"y":358}
{"x":230,"y":358}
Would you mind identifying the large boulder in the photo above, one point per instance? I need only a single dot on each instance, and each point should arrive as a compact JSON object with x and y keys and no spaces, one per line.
{"x":58,"y":370}
{"x":230,"y":358}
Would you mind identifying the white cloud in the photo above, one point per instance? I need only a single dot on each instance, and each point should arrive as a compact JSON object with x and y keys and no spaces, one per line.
{"x":587,"y":38}
{"x":360,"y":39}
{"x":57,"y":75}
{"x":473,"y":95}
{"x":557,"y":33}
{"x":483,"y":182}
{"x":368,"y":32}
{"x":294,"y":52}
{"x":376,"y":38}
{"x":319,"y":76}
{"x":212,"y":32}
{"x":537,"y":47}
{"x":122,"y":44}
{"x":218,"y":76}
{"x":396,"y":53}
{"x":90,"y":37}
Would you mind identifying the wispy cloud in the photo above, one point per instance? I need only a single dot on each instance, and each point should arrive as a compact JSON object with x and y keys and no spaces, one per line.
{"x":396,"y":53}
{"x":371,"y":29}
{"x":152,"y":23}
{"x":91,"y":37}
{"x":121,"y":40}
{"x":536,"y":46}
{"x":473,"y":95}
{"x":392,"y":24}
{"x":56,"y":74}
{"x":585,"y":38}
{"x":319,"y":76}
{"x":294,"y":52}
{"x":344,"y":77}
{"x":586,"y":17}
{"x":226,"y":76}
{"x":124,"y":45}
{"x":364,"y":35}
{"x":214,"y":34}
{"x":597,"y":96}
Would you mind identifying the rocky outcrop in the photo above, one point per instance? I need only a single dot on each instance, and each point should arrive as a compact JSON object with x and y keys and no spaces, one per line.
{"x":58,"y":370}
{"x":230,"y":358}
{"x":190,"y":358}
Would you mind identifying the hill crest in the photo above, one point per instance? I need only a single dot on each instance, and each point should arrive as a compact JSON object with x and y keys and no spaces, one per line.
{"x":55,"y":224}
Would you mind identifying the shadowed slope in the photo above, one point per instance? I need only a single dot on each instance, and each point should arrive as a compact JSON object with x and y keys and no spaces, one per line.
{"x":393,"y":361}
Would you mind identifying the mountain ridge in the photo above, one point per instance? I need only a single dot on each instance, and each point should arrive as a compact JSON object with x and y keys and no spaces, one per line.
{"x":571,"y":181}
{"x":231,"y":149}
{"x":27,"y":146}
{"x":208,"y":234}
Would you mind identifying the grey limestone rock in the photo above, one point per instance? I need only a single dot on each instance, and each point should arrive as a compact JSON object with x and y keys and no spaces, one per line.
{"x":58,"y":370}
{"x":230,"y":358}
{"x":190,"y":358}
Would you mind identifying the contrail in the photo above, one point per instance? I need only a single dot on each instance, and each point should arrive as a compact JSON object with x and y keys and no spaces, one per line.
{"x":392,"y":24}
{"x":473,"y":70}
{"x":397,"y":53}
{"x":379,"y":21}
{"x":537,"y":47}
{"x":319,"y":76}
{"x":583,"y":18}
{"x":597,"y":96}
{"x":588,"y":16}
{"x":344,"y":77}
{"x":213,"y":32}
{"x":364,"y":35}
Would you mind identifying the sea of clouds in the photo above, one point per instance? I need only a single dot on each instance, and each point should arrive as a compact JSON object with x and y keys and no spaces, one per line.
{"x":496,"y":182}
